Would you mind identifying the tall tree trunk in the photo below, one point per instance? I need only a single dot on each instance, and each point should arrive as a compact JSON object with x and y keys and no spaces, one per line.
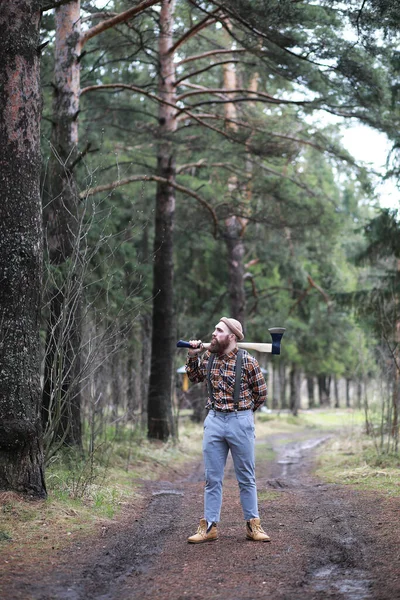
{"x":295,"y":382}
{"x":21,"y":457}
{"x":336,"y":391}
{"x":234,"y":242}
{"x":116,"y":391}
{"x":396,"y":387}
{"x":395,"y":404}
{"x":348,"y":403}
{"x":132,"y":392}
{"x":359,"y":393}
{"x":160,"y":419}
{"x":145,"y":365}
{"x":310,"y":391}
{"x":276,"y":387}
{"x":235,"y":227}
{"x":61,"y":393}
{"x":396,"y":382}
{"x":324,"y":390}
{"x":283,"y":378}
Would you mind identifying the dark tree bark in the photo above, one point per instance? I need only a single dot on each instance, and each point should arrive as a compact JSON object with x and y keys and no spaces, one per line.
{"x":132,"y":390}
{"x":234,"y":242}
{"x":359,"y":397}
{"x":21,"y":457}
{"x":61,"y":390}
{"x":395,"y":394}
{"x":195,"y":397}
{"x":295,"y":382}
{"x":336,"y":391}
{"x":276,"y":387}
{"x":116,"y":391}
{"x":283,"y":378}
{"x":160,"y":420}
{"x":348,"y":403}
{"x":61,"y":214}
{"x":234,"y":227}
{"x":324,"y":390}
{"x":310,"y":391}
{"x":145,"y":363}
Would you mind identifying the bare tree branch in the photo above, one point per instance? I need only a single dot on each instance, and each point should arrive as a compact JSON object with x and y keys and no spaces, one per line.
{"x":209,"y":53}
{"x":359,"y":15}
{"x":312,"y":284}
{"x":254,"y":128}
{"x":156,"y":99}
{"x":126,"y":86}
{"x":202,"y":164}
{"x":204,"y":124}
{"x":121,"y":18}
{"x":254,"y":95}
{"x":208,"y":20}
{"x":207,"y":68}
{"x":318,"y":288}
{"x":134,"y":178}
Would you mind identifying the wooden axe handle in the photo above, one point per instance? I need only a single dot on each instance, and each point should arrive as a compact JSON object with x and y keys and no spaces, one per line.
{"x":274,"y":348}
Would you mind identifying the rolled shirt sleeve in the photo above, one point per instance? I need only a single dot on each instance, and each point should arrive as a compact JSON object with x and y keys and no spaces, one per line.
{"x":196,"y":367}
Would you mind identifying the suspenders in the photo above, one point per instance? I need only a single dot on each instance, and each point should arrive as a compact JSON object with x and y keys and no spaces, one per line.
{"x":238,"y":377}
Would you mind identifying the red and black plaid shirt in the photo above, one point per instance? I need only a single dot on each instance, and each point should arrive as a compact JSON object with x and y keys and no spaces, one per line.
{"x":253,"y":389}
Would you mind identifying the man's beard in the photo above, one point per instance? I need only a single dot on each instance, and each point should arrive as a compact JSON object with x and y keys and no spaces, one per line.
{"x":219,"y":347}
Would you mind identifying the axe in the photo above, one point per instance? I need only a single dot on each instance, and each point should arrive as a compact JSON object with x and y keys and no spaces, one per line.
{"x":274,"y":348}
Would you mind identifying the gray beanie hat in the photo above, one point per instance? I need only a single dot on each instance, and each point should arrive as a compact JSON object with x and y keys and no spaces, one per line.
{"x":235,"y":327}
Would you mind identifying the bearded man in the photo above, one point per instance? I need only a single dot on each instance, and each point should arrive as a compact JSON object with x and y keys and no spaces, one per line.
{"x":236,"y":389}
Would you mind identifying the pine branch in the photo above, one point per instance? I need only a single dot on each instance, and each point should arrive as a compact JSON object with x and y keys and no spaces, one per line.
{"x":81,"y":156}
{"x":248,"y":99}
{"x":134,"y":178}
{"x":202,"y":164}
{"x":209,"y":53}
{"x":257,"y":32}
{"x":208,"y":20}
{"x":207,"y":68}
{"x":208,"y":126}
{"x":318,"y":288}
{"x":126,"y":86}
{"x":254,"y":95}
{"x":312,"y":284}
{"x":254,"y":128}
{"x":156,"y":99}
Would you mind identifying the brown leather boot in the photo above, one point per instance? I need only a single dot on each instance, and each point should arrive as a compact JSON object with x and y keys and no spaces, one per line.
{"x":255,"y":532}
{"x":203,"y":535}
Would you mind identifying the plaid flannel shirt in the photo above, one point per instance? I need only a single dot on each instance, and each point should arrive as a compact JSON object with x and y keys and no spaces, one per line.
{"x":253,"y":389}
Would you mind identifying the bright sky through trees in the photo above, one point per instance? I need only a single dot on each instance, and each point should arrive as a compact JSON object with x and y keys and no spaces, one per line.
{"x":372,"y":147}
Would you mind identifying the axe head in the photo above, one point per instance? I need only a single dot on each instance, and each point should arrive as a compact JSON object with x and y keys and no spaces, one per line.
{"x":276,"y":334}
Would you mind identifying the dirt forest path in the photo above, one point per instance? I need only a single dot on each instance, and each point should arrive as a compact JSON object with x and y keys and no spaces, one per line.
{"x":328,"y":541}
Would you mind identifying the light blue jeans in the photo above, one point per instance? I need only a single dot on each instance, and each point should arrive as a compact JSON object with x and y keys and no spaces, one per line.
{"x":232,"y":431}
